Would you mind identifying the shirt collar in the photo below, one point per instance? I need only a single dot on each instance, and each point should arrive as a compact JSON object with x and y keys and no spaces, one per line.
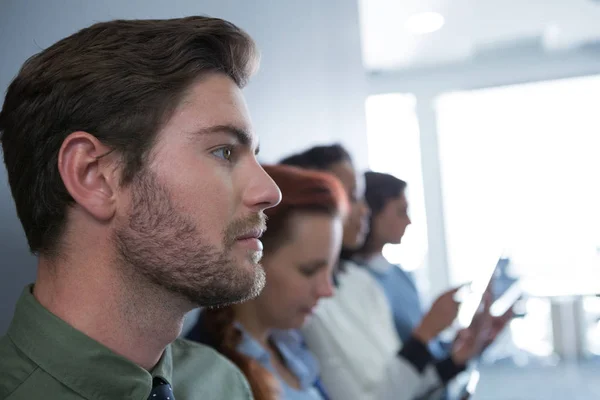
{"x":289,"y":343}
{"x":76,"y":360}
{"x":377,"y":263}
{"x":252,"y":348}
{"x":298,"y":358}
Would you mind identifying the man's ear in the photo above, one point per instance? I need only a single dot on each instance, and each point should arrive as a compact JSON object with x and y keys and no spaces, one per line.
{"x":89,"y":177}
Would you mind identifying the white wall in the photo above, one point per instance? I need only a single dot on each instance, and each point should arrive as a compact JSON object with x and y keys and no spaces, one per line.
{"x":310,"y":89}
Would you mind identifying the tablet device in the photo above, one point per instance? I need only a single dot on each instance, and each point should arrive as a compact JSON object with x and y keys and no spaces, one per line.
{"x":469,"y":389}
{"x":507,"y":300}
{"x":471,"y":295}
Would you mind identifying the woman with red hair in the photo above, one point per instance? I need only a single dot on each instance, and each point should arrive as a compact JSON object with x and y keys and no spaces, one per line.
{"x":302,"y":245}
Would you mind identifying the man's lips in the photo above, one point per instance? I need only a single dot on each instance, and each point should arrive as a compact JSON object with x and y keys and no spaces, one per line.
{"x":255,"y":233}
{"x":251,"y":239}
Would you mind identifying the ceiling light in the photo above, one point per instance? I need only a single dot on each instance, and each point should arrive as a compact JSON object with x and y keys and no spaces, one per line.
{"x":425,"y":22}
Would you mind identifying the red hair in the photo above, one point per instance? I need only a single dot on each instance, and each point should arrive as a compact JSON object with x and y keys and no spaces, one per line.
{"x":302,"y":190}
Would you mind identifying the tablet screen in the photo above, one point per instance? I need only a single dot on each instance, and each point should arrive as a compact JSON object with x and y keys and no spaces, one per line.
{"x":507,"y":300}
{"x":470,"y":297}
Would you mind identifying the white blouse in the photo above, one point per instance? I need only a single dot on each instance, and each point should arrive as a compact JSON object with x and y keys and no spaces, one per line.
{"x":353,"y":336}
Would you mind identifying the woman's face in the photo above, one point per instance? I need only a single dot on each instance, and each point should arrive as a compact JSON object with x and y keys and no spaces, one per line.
{"x":390,"y":224}
{"x":356,"y":225}
{"x":299,"y":271}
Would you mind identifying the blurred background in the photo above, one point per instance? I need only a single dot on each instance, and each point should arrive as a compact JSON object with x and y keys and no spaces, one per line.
{"x":488,"y":109}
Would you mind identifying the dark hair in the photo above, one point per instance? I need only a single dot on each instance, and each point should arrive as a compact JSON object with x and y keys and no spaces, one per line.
{"x":322,"y":158}
{"x":319,"y":157}
{"x":119,"y":81}
{"x":302,"y":191}
{"x":380,"y":188}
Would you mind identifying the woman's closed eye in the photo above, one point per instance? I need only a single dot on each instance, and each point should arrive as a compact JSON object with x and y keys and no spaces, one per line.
{"x":308,"y":272}
{"x":312,"y":269}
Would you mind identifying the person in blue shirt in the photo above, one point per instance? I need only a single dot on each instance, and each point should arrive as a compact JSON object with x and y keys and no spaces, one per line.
{"x":353,"y":333}
{"x":385,"y":195}
{"x":302,"y":244}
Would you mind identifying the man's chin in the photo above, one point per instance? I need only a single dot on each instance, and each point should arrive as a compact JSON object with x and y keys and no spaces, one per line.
{"x":238,"y":281}
{"x":249,"y":259}
{"x":248,"y":292}
{"x":250,"y":264}
{"x":258,"y":283}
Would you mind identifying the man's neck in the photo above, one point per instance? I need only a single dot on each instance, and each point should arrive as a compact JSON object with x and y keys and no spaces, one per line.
{"x":133,"y":321}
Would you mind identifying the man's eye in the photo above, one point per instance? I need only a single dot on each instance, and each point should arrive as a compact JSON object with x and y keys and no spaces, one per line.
{"x":224,"y":153}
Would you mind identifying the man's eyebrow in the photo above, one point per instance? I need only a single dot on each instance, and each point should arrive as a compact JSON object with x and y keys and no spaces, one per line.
{"x":242,"y":135}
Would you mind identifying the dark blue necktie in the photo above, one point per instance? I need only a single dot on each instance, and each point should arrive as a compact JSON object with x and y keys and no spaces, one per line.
{"x":161,"y":390}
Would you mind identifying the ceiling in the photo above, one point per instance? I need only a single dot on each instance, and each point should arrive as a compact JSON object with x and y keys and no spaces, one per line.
{"x":472,"y":27}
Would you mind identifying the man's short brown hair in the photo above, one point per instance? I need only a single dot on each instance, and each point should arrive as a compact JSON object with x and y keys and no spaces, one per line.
{"x":118,"y":80}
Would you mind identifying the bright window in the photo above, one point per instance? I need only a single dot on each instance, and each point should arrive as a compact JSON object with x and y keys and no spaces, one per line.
{"x":520,"y":169}
{"x":394,"y":148}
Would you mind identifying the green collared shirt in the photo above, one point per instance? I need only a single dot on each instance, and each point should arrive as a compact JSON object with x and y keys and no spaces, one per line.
{"x":42,"y":357}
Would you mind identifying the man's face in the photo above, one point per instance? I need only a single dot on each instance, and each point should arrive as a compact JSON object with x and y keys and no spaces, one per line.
{"x":192,"y":217}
